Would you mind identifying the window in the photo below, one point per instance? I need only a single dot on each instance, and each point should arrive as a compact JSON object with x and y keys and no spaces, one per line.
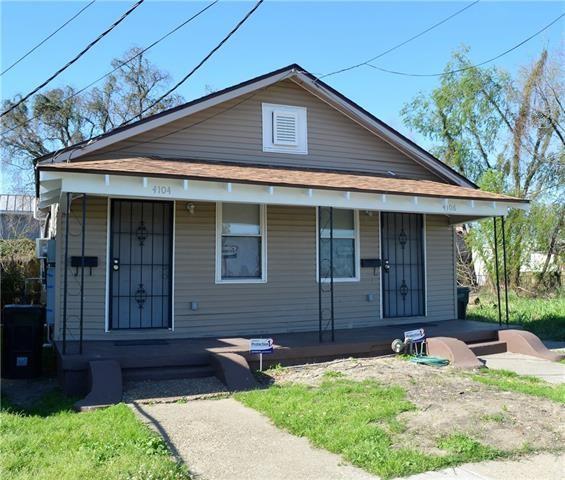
{"x":345,"y":244}
{"x":240,"y":243}
{"x":284,"y":129}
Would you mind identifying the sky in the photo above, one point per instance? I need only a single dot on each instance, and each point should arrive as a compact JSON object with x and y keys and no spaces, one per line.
{"x":320,"y":36}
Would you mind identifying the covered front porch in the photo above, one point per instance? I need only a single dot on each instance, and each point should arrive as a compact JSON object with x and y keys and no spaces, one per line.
{"x":300,"y":280}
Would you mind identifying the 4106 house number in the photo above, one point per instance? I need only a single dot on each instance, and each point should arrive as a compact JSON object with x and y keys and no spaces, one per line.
{"x":161,"y":189}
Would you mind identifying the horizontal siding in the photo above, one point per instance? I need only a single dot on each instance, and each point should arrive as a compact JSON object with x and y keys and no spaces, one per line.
{"x":287,"y":302}
{"x":232,"y":132}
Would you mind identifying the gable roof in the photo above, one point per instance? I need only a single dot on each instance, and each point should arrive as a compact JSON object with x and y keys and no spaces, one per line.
{"x":292,"y":72}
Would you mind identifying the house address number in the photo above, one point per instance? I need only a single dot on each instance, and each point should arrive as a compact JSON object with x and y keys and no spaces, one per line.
{"x":161,"y":189}
{"x":449,"y":207}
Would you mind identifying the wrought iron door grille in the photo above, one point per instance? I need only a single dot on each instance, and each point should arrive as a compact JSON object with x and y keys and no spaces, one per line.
{"x":141,"y":239}
{"x":403,"y":289}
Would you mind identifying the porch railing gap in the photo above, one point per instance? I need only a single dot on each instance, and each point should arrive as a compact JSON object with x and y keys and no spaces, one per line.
{"x":497,"y":270}
{"x":65,"y":271}
{"x":505,"y":270}
{"x":82,"y":265}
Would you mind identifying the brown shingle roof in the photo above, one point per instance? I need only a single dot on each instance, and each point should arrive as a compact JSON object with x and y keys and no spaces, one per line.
{"x":287,"y":177}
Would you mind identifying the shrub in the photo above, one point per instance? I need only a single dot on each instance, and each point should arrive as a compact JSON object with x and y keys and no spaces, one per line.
{"x":17,"y":262}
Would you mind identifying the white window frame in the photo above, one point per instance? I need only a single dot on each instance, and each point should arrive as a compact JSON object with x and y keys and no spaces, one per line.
{"x":218,"y":254}
{"x":357,"y":250}
{"x":301,"y":114}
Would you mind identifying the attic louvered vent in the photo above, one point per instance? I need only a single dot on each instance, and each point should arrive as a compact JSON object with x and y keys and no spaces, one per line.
{"x":284,"y":129}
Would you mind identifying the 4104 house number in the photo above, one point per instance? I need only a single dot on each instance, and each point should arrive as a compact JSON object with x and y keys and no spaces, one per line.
{"x":161,"y":189}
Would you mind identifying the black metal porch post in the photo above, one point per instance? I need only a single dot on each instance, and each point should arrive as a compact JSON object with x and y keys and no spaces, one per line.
{"x":319,"y":210}
{"x":332,"y":269}
{"x":65,"y":272}
{"x":83,"y":238}
{"x":496,"y":267}
{"x":504,"y":269}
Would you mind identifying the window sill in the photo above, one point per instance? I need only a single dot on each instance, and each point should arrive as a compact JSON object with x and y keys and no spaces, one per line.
{"x":241,"y":281}
{"x":340,"y":280}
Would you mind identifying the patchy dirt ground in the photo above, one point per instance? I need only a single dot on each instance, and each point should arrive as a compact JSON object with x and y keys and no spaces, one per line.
{"x":449,"y":402}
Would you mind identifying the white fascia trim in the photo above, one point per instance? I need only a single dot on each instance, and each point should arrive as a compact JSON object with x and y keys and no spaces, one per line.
{"x":122,"y":186}
{"x":375,"y":128}
{"x":357,"y":240}
{"x":171,"y":117}
{"x":218,"y":253}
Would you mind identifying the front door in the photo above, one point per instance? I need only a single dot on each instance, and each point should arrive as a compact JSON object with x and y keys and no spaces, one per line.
{"x":402,"y":240}
{"x":141,"y":239}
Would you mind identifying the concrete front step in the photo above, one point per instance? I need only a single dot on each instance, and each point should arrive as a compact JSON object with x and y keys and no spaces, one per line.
{"x":168,"y":373}
{"x":488,"y":348}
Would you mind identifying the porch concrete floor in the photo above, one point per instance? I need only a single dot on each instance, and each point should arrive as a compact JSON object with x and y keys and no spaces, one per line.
{"x":289,"y":347}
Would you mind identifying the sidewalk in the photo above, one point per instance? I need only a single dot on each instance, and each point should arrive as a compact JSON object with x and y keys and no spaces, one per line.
{"x":553,"y":372}
{"x":538,"y":467}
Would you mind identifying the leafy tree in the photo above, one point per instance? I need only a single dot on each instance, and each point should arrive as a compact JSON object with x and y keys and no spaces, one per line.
{"x":506,"y":134}
{"x":60,"y":117}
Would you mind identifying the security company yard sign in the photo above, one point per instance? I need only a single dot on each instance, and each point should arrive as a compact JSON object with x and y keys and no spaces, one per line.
{"x":260,"y":346}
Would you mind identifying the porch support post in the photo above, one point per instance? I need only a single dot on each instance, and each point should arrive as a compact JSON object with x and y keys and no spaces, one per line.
{"x":497,"y":269}
{"x":65,"y":271}
{"x":319,"y":212}
{"x":83,"y":239}
{"x":332,"y":270}
{"x":504,"y":268}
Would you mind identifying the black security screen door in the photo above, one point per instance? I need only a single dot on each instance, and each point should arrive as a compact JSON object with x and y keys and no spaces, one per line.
{"x":140,"y":264}
{"x":402,"y":238}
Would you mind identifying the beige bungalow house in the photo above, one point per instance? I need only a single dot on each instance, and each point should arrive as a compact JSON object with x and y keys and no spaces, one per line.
{"x":273,"y":207}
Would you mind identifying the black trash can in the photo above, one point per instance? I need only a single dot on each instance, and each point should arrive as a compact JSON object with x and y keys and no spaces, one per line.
{"x":462,"y":302}
{"x":22,"y":340}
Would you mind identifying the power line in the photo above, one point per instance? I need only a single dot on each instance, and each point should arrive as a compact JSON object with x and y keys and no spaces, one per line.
{"x":458,"y":70}
{"x":197,"y":67}
{"x":70,"y":62}
{"x":47,"y":38}
{"x":395,"y":47}
{"x":125,"y":62}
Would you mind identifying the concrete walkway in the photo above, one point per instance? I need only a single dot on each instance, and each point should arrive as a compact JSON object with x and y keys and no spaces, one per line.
{"x":222,"y":440}
{"x":553,"y":372}
{"x":539,"y":467}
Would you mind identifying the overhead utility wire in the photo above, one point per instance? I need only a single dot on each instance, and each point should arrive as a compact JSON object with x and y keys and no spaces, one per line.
{"x":462,"y":69}
{"x":47,"y":38}
{"x":435,"y":25}
{"x":125,"y":62}
{"x":197,"y":67}
{"x":80,"y":54}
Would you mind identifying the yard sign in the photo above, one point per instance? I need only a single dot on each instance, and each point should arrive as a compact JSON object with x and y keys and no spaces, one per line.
{"x":260,"y":346}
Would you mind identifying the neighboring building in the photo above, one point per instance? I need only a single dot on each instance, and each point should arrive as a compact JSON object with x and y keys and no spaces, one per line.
{"x":213,"y":218}
{"x":17,"y":217}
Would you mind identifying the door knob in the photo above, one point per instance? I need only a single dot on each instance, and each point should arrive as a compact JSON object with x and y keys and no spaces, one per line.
{"x":386,"y":266}
{"x":116,"y":264}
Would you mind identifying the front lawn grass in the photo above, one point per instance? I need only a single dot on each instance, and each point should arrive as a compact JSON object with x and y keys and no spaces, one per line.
{"x":511,"y":381}
{"x":544,"y":317}
{"x":50,"y":441}
{"x":358,"y":420}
